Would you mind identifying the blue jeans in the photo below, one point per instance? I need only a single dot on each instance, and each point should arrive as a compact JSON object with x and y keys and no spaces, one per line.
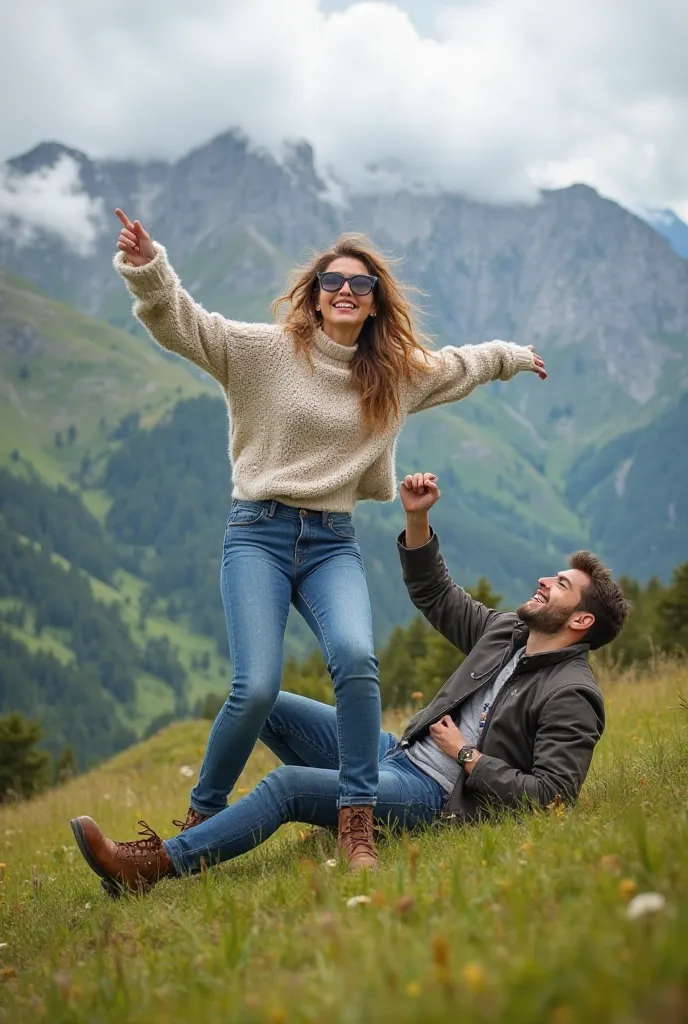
{"x":304,"y":734}
{"x":275,"y":555}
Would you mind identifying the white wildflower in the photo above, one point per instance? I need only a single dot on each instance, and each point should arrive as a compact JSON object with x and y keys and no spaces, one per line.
{"x":186,"y":771}
{"x":645,"y":903}
{"x":87,"y":906}
{"x":356,"y":901}
{"x":332,"y":863}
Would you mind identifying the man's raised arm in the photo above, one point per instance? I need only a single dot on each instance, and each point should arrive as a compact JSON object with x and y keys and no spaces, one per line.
{"x":446,"y":606}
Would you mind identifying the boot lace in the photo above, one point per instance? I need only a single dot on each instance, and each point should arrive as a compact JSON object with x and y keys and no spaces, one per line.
{"x":192,"y":819}
{"x":149,"y":844}
{"x":360,"y":830}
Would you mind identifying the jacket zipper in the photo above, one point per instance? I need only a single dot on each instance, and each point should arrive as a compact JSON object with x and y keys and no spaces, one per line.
{"x":495,"y":704}
{"x":500,"y":696}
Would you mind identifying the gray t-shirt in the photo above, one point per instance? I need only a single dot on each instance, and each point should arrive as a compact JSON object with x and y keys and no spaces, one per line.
{"x":473,"y":713}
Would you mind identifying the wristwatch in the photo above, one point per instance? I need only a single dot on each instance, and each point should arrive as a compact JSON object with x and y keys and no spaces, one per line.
{"x":465,"y":754}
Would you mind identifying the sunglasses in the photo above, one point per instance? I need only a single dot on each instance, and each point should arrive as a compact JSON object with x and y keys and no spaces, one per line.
{"x":360,"y":284}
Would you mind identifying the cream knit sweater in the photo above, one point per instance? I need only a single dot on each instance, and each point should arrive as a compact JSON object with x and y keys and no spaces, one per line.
{"x":296,"y":434}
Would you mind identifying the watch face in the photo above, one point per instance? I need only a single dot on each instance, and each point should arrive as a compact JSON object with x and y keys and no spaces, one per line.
{"x":465,"y":754}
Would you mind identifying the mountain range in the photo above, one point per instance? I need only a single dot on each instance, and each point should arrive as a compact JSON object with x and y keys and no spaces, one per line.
{"x":672,"y":228}
{"x":594,"y":457}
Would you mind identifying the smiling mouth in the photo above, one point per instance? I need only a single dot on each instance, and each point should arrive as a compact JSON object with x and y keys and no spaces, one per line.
{"x":539,"y":598}
{"x":343,"y":305}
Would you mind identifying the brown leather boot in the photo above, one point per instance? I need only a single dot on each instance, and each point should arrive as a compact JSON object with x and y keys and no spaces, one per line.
{"x":136,"y":865}
{"x":192,"y":819}
{"x":356,"y":839}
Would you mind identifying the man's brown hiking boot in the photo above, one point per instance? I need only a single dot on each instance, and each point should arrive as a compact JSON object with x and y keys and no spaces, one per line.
{"x":192,"y":819}
{"x":356,"y":840}
{"x":136,"y":865}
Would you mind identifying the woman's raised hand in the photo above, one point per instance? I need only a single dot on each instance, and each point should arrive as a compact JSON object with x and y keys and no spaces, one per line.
{"x":134,"y":242}
{"x":538,"y":364}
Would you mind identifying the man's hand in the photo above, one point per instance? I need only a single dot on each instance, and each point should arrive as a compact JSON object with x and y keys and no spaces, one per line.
{"x":448,"y":736}
{"x":450,"y":739}
{"x":419,"y":492}
{"x":134,"y":242}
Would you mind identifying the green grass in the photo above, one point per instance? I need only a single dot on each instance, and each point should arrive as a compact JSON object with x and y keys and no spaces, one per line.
{"x":520,"y":920}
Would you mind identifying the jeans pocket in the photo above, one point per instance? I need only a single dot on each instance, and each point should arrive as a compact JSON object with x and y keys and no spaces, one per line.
{"x":341,"y":525}
{"x":246,"y":513}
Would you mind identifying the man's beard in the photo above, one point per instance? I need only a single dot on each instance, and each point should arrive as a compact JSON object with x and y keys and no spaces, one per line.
{"x":544,"y":618}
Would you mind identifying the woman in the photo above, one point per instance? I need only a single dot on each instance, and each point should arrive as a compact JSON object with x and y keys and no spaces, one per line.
{"x":315,"y":405}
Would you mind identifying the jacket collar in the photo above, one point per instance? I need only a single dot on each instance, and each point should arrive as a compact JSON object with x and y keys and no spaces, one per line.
{"x":537,"y":661}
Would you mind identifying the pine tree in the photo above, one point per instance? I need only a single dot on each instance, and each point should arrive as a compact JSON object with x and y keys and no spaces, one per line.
{"x":440,"y":661}
{"x":66,"y":767}
{"x":672,"y":608}
{"x":24,"y":770}
{"x":399,"y":660}
{"x":483,"y":592}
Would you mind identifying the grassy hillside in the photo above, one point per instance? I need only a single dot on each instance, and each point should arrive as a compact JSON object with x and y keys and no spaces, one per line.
{"x":522,"y":921}
{"x":633,"y":491}
{"x":69,"y":385}
{"x":60,"y":369}
{"x":207,"y":671}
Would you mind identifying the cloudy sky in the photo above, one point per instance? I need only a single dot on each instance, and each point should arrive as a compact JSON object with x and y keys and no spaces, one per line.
{"x":488,"y":97}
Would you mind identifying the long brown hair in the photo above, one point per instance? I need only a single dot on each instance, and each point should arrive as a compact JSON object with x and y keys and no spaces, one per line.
{"x":389,"y":349}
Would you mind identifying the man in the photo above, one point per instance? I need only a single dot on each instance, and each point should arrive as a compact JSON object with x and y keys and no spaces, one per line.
{"x":517,"y":722}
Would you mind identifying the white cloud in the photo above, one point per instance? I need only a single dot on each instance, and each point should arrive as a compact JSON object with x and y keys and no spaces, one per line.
{"x":52,"y":200}
{"x":489,"y":97}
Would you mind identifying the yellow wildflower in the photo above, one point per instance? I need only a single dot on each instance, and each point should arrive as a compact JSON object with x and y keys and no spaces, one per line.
{"x":474,"y":977}
{"x":627,"y":888}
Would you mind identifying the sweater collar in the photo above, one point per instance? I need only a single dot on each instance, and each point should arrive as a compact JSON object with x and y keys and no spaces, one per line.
{"x":342,"y":353}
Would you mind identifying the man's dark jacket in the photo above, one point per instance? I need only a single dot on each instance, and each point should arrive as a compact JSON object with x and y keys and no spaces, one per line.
{"x":542,"y":728}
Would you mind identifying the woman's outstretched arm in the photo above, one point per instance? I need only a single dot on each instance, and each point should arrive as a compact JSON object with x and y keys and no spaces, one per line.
{"x":452,"y":373}
{"x":169,"y":313}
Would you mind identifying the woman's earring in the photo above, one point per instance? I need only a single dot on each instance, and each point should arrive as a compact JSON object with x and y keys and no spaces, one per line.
{"x":373,"y":314}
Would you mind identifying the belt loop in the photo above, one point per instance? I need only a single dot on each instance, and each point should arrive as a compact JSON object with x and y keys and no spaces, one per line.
{"x":272,"y":509}
{"x":325,"y":518}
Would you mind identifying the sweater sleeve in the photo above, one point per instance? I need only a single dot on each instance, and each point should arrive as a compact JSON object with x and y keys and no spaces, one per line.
{"x":178,"y":323}
{"x":453,"y":373}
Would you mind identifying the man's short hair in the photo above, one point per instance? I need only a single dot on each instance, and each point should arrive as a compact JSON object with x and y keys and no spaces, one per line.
{"x":603,"y":597}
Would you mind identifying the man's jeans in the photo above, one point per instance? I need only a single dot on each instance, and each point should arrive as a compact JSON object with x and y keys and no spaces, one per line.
{"x":275,"y":555}
{"x":304,"y":735}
